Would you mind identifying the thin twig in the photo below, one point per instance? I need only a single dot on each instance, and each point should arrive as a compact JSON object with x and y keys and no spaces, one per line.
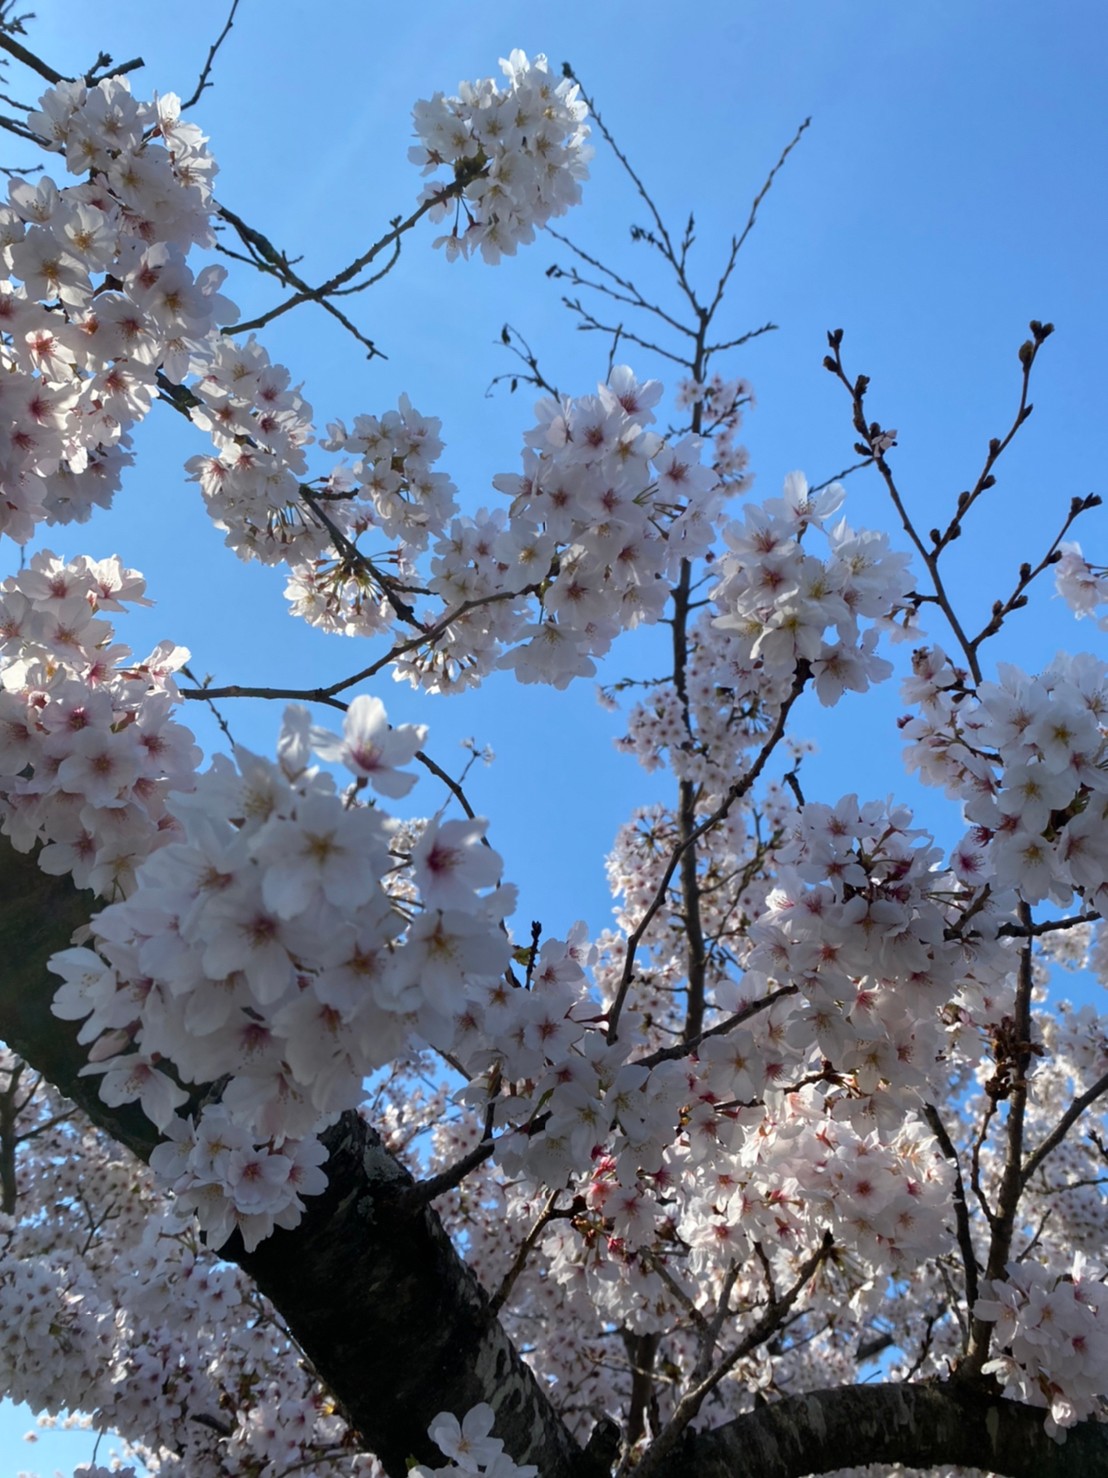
{"x":721,"y":1028}
{"x":328,"y":694}
{"x":203,"y":82}
{"x":220,"y":720}
{"x":452,"y":785}
{"x":1063,"y":1126}
{"x":961,"y":1209}
{"x":333,"y":284}
{"x":426,"y":1191}
{"x":737,"y":242}
{"x":548,"y":1214}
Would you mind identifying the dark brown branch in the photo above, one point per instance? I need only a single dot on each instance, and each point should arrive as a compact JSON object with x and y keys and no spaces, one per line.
{"x":872,"y":444}
{"x":203,"y":84}
{"x":327,"y":694}
{"x":664,"y":245}
{"x":549,"y":1213}
{"x":998,"y":445}
{"x":15,"y":48}
{"x":753,"y":333}
{"x":591,"y":324}
{"x":1064,"y":1125}
{"x":961,"y":1209}
{"x":333,"y":284}
{"x":625,"y":290}
{"x":1047,"y":926}
{"x":921,"y":1426}
{"x":423,"y":1192}
{"x":1028,"y":573}
{"x":684,"y":1048}
{"x":266,"y":258}
{"x":452,"y":785}
{"x":1013,"y":1064}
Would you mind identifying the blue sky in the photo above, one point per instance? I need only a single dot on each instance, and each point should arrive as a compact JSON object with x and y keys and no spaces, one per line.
{"x":948,"y":190}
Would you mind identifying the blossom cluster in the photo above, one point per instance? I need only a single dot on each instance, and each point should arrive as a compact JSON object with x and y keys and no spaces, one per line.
{"x":811,"y":1095}
{"x":89,"y":748}
{"x":1026,"y":754}
{"x":779,"y":598}
{"x":721,"y":404}
{"x":259,"y":426}
{"x":599,"y":521}
{"x":265,"y":949}
{"x":273,"y":939}
{"x":1053,"y":1336}
{"x":517,"y":153}
{"x":391,"y":490}
{"x":96,"y":296}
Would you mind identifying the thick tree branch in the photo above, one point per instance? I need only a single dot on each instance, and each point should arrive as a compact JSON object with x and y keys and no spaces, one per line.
{"x":919,"y":1425}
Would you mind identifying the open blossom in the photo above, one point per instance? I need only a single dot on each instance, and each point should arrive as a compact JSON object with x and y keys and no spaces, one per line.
{"x":471,"y":1446}
{"x":370,"y":749}
{"x":133,"y":1077}
{"x":450,"y":864}
{"x":1082,"y":587}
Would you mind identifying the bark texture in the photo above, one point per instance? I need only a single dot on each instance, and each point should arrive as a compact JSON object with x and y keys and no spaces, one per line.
{"x":399,"y":1328}
{"x":920,"y":1425}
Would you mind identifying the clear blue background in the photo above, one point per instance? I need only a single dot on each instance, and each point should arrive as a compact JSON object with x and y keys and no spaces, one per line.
{"x":950,"y":189}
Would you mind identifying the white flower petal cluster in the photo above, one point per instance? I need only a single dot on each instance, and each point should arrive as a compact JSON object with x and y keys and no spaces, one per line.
{"x":259,"y":425}
{"x":1053,"y":1332}
{"x":722,"y":403}
{"x":517,"y":152}
{"x":263,"y":947}
{"x":89,"y":749}
{"x":96,"y":296}
{"x":1083,"y":587}
{"x":1026,"y":754}
{"x":471,"y":1447}
{"x":390,"y":492}
{"x":599,"y":521}
{"x":779,"y":599}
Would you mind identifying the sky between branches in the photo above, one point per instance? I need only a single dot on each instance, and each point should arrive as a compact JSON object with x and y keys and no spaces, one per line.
{"x":949,"y":189}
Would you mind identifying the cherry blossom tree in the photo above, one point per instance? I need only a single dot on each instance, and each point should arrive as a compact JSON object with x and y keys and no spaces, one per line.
{"x":313,"y":1157}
